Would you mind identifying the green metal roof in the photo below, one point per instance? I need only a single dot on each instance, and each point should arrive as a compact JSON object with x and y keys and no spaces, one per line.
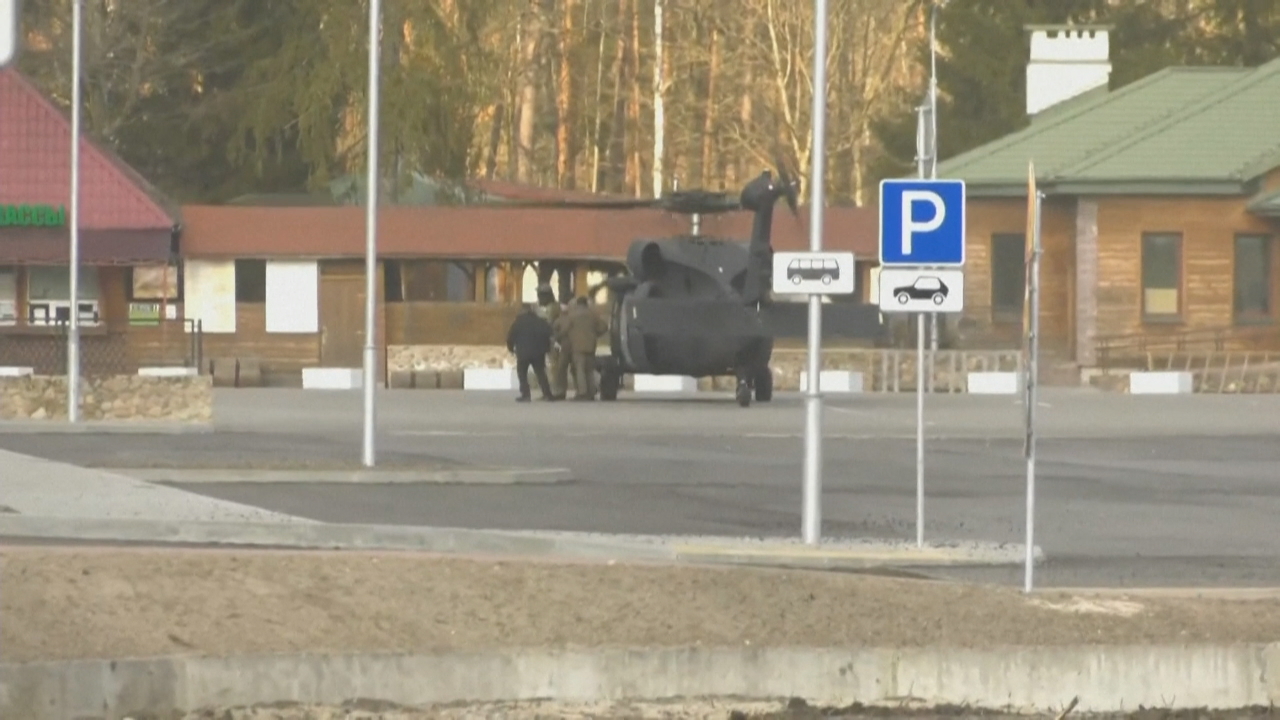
{"x":1182,"y":130}
{"x":1267,"y":204}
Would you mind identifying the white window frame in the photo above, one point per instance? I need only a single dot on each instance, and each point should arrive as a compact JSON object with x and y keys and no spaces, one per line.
{"x":9,"y":305}
{"x":41,"y":313}
{"x":44,"y":312}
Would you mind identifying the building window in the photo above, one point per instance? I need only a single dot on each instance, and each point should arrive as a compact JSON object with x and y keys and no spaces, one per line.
{"x":1161,"y":276}
{"x":251,"y":281}
{"x":430,"y":281}
{"x":392,"y":281}
{"x":49,"y":295}
{"x":8,"y":295}
{"x":1253,"y":278}
{"x":155,"y":283}
{"x":460,"y":283}
{"x":1008,"y":274}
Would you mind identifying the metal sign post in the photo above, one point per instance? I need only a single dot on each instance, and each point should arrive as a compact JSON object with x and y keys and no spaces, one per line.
{"x":73,"y":259}
{"x":920,"y":376}
{"x":371,"y":238}
{"x":921,"y":260}
{"x":812,"y":509}
{"x":10,"y":31}
{"x":924,"y":169}
{"x":1032,"y":373}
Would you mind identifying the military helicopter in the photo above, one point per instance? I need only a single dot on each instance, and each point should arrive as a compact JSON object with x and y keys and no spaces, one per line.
{"x":691,"y":304}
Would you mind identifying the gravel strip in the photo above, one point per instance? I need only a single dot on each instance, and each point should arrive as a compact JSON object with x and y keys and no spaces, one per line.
{"x":757,"y":543}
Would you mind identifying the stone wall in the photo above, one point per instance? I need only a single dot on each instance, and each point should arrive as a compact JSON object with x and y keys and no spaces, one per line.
{"x":115,"y":397}
{"x":440,"y":366}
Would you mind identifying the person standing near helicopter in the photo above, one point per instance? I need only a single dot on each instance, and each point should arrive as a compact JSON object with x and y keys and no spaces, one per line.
{"x":558,"y":358}
{"x":583,"y":329}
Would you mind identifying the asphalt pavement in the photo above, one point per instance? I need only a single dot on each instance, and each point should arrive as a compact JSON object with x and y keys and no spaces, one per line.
{"x":1132,"y":490}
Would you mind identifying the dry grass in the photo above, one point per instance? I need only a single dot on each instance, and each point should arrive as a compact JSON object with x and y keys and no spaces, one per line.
{"x":77,"y":603}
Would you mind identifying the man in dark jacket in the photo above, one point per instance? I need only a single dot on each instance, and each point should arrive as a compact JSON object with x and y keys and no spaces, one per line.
{"x":530,"y":339}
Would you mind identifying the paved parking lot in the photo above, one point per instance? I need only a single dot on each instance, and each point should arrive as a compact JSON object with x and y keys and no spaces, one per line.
{"x":1132,"y":490}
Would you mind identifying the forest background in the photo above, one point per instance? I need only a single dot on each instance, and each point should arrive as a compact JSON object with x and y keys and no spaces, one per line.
{"x":213,"y":99}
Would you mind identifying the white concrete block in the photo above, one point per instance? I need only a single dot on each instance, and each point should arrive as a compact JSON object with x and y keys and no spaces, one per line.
{"x":490,"y":379}
{"x":666,"y":383}
{"x":167,"y":371}
{"x":15,"y":371}
{"x":834,"y":381}
{"x":332,"y":378}
{"x":1161,"y":383}
{"x":993,"y":383}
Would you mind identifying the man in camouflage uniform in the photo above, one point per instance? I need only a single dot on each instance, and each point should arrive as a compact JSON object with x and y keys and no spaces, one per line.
{"x":558,"y":358}
{"x":583,"y":327}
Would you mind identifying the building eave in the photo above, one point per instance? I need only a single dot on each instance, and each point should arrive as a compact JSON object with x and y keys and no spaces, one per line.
{"x":1142,"y":186}
{"x":1266,"y":205}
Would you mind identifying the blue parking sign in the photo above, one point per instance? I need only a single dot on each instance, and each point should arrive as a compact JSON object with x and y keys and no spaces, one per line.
{"x":922,"y":222}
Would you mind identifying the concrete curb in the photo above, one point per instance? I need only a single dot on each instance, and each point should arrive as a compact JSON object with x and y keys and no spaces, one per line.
{"x":321,"y":536}
{"x":461,"y":476}
{"x":1026,"y":679}
{"x":103,"y":427}
{"x":852,"y":559}
{"x":330,"y":536}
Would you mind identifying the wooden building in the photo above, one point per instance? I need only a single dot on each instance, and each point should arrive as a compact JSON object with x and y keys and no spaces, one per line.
{"x":127,"y":247}
{"x":286,"y":285}
{"x":1161,"y":215}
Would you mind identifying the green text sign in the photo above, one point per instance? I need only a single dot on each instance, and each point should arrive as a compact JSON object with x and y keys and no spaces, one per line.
{"x":32,"y":216}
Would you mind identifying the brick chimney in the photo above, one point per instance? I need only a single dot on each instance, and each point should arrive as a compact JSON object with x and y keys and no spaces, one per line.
{"x":1066,"y":61}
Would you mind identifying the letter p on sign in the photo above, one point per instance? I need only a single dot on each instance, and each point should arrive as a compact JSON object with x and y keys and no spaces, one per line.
{"x":909,"y":225}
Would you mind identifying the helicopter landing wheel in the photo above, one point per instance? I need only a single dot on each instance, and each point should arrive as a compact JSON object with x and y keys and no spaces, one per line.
{"x":764,"y":385}
{"x":610,"y":381}
{"x":743,"y":393}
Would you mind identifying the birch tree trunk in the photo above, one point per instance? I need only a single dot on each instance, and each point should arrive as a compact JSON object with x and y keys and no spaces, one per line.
{"x":709,"y":109}
{"x":566,"y":158}
{"x":597,"y":123}
{"x":659,"y":109}
{"x":618,"y":135}
{"x":634,"y":169}
{"x":528,"y":91}
{"x":495,"y":140}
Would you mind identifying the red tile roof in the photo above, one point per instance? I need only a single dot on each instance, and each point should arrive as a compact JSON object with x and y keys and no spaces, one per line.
{"x":35,"y":165}
{"x":226,"y":231}
{"x":522,"y":191}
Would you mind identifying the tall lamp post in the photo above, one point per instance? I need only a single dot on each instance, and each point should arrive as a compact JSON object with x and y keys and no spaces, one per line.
{"x":811,"y":509}
{"x":933,"y":140}
{"x":73,"y":259}
{"x":371,"y":238}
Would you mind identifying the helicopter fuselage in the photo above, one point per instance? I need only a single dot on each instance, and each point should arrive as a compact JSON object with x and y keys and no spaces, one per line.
{"x":694,"y":338}
{"x":691,"y":304}
{"x":686,"y":315}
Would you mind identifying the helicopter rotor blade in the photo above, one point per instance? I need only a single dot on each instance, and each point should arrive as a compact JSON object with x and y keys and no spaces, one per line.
{"x":577,"y":204}
{"x":687,"y":202}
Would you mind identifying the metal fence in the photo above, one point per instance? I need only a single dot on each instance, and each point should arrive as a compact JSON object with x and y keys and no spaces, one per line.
{"x":178,"y":343}
{"x":1136,"y":350}
{"x":169,"y":343}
